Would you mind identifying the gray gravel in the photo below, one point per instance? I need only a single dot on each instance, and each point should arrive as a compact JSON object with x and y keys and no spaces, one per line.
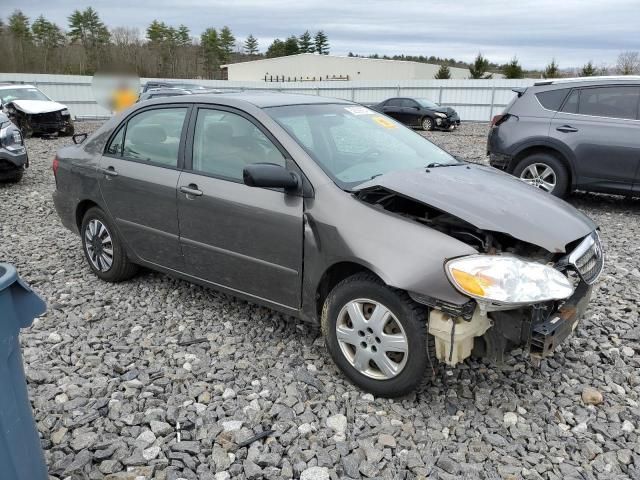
{"x":117,"y":394}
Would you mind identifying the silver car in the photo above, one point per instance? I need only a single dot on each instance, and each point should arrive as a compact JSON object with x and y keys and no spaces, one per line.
{"x":333,"y":213}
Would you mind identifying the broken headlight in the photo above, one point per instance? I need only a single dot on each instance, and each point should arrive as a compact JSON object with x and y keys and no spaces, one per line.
{"x":506,"y":279}
{"x":65,"y":112}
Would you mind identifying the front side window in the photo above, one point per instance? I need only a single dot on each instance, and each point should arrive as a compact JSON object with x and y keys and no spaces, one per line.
{"x":225,"y":142}
{"x":394,"y":102}
{"x":615,"y":102}
{"x":427,"y":103}
{"x":154,"y":136}
{"x":353,"y":145}
{"x":408,"y":103}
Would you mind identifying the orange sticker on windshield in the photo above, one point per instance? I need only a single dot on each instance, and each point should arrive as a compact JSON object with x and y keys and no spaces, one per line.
{"x":384,"y":122}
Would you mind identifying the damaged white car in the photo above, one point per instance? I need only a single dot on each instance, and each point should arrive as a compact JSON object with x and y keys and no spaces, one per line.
{"x":33,"y":112}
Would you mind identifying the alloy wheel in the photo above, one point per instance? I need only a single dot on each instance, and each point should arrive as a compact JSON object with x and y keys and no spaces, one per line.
{"x":427,"y":124}
{"x":539,"y":175}
{"x":372,"y":339}
{"x":98,"y":244}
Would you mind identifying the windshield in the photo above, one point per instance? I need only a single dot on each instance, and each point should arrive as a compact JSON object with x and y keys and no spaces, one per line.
{"x":353,"y":144}
{"x":427,"y":103}
{"x":11,"y":94}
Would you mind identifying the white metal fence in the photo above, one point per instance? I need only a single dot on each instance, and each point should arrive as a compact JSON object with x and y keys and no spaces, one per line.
{"x":475,"y":100}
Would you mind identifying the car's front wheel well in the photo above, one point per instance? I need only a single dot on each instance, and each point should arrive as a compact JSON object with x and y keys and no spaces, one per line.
{"x":333,"y":276}
{"x":527,"y":152}
{"x":82,"y":208}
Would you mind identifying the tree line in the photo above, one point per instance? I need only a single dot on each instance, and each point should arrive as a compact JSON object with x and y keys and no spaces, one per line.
{"x":87,"y":45}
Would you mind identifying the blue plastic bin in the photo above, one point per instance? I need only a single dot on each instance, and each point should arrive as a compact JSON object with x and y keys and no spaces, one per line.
{"x":21,"y":456}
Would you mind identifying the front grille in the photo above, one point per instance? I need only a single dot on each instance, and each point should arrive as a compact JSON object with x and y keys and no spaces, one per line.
{"x":588,"y":258}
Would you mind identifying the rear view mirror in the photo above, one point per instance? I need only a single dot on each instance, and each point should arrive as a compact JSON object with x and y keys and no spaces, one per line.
{"x":270,"y":175}
{"x":78,"y":138}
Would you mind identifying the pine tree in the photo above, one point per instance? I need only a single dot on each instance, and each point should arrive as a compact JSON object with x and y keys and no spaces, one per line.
{"x":86,"y":28}
{"x":552,"y":70}
{"x":251,"y":45}
{"x":291,"y":46}
{"x":20,"y":31}
{"x":276,"y":49}
{"x":588,"y":70}
{"x":227,"y":44}
{"x":305,"y":43}
{"x":443,"y":73}
{"x":321,"y":43}
{"x":210,"y":44}
{"x":480,"y":67}
{"x":513,"y":69}
{"x":183,"y":36}
{"x":47,"y":36}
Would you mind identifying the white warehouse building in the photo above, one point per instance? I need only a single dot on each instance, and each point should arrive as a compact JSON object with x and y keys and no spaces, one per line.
{"x":314,"y":67}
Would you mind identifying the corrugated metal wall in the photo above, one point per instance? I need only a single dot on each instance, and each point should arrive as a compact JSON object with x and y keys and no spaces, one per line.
{"x":475,"y":100}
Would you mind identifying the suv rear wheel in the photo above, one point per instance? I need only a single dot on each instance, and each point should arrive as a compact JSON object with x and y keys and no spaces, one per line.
{"x":544,"y":171}
{"x":376,"y":335}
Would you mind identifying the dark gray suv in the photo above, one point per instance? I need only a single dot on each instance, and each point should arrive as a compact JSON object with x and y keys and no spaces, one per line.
{"x":572,"y":134}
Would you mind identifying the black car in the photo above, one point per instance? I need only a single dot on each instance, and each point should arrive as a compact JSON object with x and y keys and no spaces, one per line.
{"x":13,"y":153}
{"x":572,"y":134}
{"x":419,"y":112}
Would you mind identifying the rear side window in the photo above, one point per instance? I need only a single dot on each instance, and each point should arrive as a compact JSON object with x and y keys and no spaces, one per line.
{"x":552,"y":99}
{"x":614,"y":102}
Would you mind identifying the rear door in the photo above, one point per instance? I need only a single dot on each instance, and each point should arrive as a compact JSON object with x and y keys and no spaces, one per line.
{"x":393,"y":108}
{"x":138,"y":179}
{"x":246,"y":239}
{"x":600,"y":125}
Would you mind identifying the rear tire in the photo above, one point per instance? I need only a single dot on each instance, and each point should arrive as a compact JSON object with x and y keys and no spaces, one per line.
{"x":398,"y":342}
{"x":17,"y":177}
{"x":104,"y":249}
{"x":544,"y":171}
{"x":427,"y":124}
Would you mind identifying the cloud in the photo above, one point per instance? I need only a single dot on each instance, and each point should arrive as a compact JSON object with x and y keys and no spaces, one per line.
{"x":572,"y":31}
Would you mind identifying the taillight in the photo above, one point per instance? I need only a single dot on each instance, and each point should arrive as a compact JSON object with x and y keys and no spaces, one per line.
{"x":498,"y":119}
{"x":55,"y":165}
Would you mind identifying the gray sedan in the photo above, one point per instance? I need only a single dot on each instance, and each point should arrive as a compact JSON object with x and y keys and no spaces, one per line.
{"x":334,"y":213}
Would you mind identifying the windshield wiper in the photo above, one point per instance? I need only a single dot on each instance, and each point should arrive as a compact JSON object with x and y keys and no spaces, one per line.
{"x":434,"y":165}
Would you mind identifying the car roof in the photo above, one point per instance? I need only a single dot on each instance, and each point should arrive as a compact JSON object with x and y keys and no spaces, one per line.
{"x":604,"y":80}
{"x":260,"y":99}
{"x":4,"y":86}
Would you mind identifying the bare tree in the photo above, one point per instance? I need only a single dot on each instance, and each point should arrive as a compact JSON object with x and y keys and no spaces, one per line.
{"x":628,"y":63}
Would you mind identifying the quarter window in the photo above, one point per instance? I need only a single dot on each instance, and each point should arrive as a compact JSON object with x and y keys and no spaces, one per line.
{"x":224,"y":143}
{"x":616,"y":102}
{"x":552,"y":99}
{"x":154,"y":136}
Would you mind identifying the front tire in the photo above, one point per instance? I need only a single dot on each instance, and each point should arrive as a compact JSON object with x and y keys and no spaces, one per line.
{"x":376,"y":335}
{"x":427,"y":124}
{"x":544,"y":171}
{"x":103,"y":248}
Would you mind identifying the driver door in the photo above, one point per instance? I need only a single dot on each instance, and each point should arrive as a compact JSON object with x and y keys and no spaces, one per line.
{"x":245,"y":239}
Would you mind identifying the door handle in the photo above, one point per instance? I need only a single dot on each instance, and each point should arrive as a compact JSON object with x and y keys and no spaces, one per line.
{"x":567,"y":129}
{"x":191,"y":190}
{"x":110,"y":172}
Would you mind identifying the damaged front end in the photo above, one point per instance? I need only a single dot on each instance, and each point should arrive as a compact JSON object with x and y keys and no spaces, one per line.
{"x":44,"y":123}
{"x":520,"y":295}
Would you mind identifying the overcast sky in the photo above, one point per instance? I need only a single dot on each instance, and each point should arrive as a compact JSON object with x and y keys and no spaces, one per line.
{"x":572,"y":31}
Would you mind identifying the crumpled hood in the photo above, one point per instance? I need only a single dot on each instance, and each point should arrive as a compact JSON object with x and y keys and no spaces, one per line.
{"x":38,"y":106}
{"x":491,"y":200}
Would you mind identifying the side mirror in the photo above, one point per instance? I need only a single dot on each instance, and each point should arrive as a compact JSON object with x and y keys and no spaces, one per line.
{"x":78,"y":138}
{"x":270,"y":175}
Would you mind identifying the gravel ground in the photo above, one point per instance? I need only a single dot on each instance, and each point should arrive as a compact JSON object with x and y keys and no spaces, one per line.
{"x":157,"y":378}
